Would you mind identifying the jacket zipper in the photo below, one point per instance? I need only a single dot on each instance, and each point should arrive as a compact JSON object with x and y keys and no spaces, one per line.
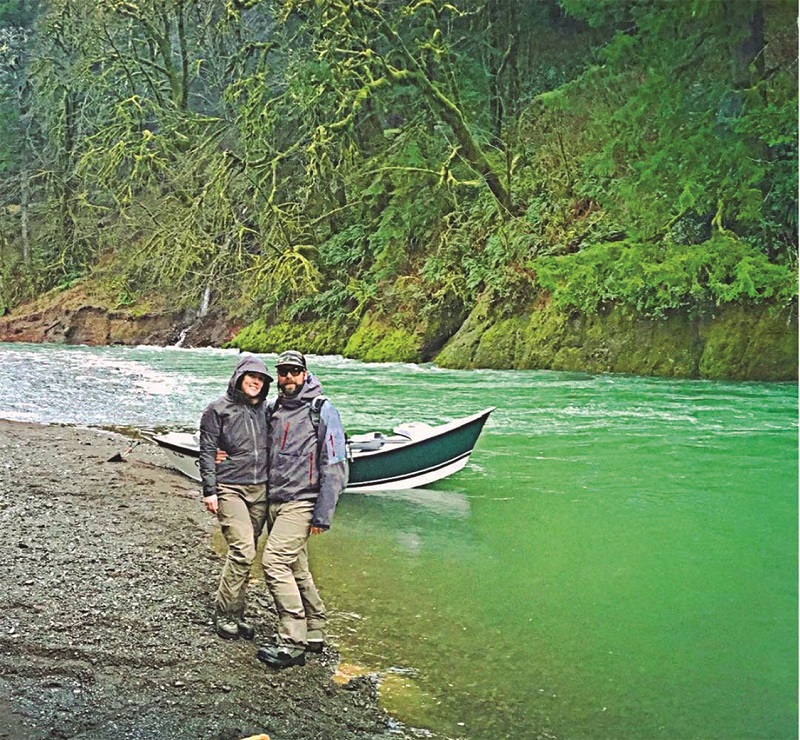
{"x":255,"y":443}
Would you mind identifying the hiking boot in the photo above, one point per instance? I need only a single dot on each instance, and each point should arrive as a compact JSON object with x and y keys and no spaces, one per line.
{"x":226,"y":627}
{"x":246,"y":630}
{"x":315,"y":646}
{"x":315,"y":641}
{"x":281,"y":656}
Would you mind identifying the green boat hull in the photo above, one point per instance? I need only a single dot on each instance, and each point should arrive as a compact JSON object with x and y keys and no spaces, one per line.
{"x":439,"y":452}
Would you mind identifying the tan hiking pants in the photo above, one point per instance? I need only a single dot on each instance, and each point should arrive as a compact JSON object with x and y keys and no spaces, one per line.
{"x":301,"y":613}
{"x":242,"y":513}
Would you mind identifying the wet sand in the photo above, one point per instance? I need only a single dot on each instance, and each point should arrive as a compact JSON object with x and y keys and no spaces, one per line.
{"x":105,"y":627}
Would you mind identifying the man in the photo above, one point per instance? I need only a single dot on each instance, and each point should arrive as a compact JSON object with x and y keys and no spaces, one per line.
{"x":307,"y":472}
{"x":235,"y":488}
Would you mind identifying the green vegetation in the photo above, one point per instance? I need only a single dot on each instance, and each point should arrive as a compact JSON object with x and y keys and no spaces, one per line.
{"x":656,"y":277}
{"x":364,"y":175}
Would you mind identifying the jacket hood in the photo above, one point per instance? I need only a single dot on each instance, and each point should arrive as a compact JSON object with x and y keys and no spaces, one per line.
{"x":248,"y":364}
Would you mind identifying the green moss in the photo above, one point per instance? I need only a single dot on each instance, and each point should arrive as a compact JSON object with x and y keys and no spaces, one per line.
{"x":375,"y":340}
{"x":312,"y":337}
{"x":746,"y":343}
{"x":460,"y":350}
{"x":252,"y":338}
{"x":754,"y":343}
{"x":498,"y":344}
{"x":540,"y":338}
{"x":622,"y":341}
{"x":750,"y":344}
{"x":773,"y":347}
{"x":568,"y":359}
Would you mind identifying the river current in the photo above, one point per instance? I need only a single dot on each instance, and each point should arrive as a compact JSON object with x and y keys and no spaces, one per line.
{"x":618,"y":559}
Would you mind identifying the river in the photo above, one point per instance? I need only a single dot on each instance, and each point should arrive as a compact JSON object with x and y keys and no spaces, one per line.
{"x":617,"y":560}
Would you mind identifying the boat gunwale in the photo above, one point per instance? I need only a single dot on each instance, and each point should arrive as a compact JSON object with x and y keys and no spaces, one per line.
{"x":437,"y":431}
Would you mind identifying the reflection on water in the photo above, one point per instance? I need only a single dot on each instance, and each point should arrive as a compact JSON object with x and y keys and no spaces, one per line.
{"x":437,"y":503}
{"x":618,"y":559}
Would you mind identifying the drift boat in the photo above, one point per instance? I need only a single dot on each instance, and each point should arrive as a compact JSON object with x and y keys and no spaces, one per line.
{"x":415,"y":455}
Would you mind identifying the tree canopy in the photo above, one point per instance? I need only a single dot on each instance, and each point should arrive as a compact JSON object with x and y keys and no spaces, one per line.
{"x":324,"y":158}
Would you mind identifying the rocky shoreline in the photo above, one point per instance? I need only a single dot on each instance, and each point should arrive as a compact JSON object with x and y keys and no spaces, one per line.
{"x":105,"y":632}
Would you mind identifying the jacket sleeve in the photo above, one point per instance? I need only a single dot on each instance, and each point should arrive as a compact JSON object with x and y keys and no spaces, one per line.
{"x":210,"y":429}
{"x":333,"y":467}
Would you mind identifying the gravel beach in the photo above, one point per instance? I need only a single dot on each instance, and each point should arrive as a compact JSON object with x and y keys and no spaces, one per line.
{"x":108,"y":576}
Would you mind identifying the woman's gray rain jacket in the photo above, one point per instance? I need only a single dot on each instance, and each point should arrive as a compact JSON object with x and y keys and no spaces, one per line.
{"x":307,"y":464}
{"x":239,"y":428}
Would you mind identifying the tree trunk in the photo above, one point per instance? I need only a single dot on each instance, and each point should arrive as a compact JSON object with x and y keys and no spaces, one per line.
{"x":470,"y":150}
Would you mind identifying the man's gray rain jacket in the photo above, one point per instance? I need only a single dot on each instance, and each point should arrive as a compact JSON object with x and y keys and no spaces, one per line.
{"x":238,"y":427}
{"x":307,"y":465}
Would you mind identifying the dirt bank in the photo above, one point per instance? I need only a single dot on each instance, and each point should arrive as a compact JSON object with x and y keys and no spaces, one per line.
{"x":108,"y":579}
{"x":85,"y":314}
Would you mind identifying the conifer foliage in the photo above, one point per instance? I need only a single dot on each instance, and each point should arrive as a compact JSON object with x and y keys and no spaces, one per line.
{"x":307,"y":158}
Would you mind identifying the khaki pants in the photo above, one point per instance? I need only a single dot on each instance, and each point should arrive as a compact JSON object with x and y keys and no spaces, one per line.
{"x":241,"y":514}
{"x":301,"y":613}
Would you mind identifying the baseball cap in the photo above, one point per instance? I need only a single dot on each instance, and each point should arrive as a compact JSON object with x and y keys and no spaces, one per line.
{"x":291,"y":357}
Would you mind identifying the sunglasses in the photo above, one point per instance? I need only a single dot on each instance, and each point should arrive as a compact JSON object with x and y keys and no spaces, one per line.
{"x":293,"y":370}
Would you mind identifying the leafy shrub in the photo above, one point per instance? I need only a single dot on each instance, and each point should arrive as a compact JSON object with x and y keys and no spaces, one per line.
{"x":653,"y":278}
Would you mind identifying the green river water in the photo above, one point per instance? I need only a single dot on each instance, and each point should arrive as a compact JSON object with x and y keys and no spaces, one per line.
{"x":618,"y":559}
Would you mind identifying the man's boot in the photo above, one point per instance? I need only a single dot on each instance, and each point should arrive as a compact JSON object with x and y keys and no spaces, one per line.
{"x":246,"y":630}
{"x":226,"y":627}
{"x":282,"y":655}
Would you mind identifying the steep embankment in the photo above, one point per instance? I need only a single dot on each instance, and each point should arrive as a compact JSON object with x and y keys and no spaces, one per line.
{"x":757,"y":342}
{"x":734,"y":342}
{"x":84,"y":315}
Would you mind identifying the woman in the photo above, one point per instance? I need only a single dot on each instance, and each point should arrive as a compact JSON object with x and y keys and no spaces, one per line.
{"x":236,"y":488}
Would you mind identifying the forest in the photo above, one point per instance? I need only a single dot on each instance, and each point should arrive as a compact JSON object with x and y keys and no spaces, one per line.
{"x":388,"y":167}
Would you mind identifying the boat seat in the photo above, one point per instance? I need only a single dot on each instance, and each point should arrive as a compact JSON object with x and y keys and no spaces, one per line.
{"x":367,"y":442}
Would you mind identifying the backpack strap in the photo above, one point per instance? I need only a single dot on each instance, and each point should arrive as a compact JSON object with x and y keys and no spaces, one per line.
{"x":315,"y":409}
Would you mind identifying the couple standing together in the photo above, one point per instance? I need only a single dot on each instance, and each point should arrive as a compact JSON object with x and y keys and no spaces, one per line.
{"x":281,"y":464}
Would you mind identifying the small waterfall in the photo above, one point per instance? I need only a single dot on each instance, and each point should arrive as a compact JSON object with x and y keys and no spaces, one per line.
{"x":202,"y":311}
{"x":181,"y":338}
{"x":205,"y":302}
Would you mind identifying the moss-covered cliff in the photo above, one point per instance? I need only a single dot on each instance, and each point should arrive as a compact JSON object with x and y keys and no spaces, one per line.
{"x":733,"y":342}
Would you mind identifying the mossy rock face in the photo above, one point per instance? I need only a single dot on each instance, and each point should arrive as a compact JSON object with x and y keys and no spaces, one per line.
{"x":747,"y":343}
{"x":311,"y":337}
{"x":376,"y":340}
{"x":498,"y":345}
{"x":773,"y":347}
{"x":621,"y":341}
{"x":737,"y":342}
{"x":542,"y":336}
{"x":439,"y":325}
{"x":460,"y":351}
